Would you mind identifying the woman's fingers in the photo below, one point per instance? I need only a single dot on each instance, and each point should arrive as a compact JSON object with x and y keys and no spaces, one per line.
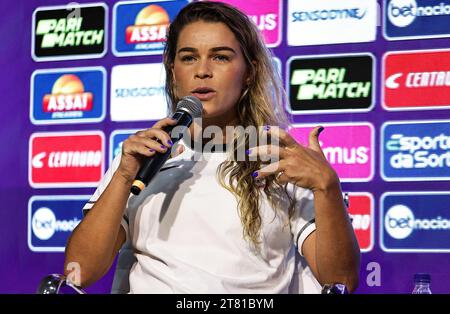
{"x":164,"y":122}
{"x":150,"y":143}
{"x":280,"y":137}
{"x":314,"y":139}
{"x":159,"y":134}
{"x":268,"y":170}
{"x":267,"y":152}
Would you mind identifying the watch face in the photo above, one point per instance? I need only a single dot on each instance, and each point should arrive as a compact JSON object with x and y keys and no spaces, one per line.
{"x":336,"y":288}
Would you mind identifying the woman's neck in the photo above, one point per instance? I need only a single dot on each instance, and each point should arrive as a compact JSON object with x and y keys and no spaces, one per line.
{"x":215,"y":133}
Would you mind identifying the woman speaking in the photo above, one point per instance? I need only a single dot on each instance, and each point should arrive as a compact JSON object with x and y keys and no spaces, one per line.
{"x":211,"y":222}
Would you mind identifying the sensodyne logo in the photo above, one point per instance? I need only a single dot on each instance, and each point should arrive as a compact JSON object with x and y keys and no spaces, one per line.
{"x":400,"y":222}
{"x":325,"y":15}
{"x":137,"y":92}
{"x":402,"y":13}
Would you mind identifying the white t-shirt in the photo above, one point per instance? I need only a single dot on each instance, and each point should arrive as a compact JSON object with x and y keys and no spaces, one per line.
{"x":187,"y":236}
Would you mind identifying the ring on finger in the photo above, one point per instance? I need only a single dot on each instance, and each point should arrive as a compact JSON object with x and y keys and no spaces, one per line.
{"x":279,"y":175}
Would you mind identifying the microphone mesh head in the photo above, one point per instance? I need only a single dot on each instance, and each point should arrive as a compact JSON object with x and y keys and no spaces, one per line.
{"x":191,"y":105}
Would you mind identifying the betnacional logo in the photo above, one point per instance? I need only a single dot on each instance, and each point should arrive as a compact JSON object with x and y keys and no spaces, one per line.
{"x":116,"y":141}
{"x":140,"y":28}
{"x":417,"y":80}
{"x":332,"y":84}
{"x":51,"y":220}
{"x":137,"y":92}
{"x":266,"y":15}
{"x":415,"y":222}
{"x":328,"y":22}
{"x":66,"y":159}
{"x":361,"y":210}
{"x":75,"y":31}
{"x":415,"y":150}
{"x":68,"y":95}
{"x":349,"y":148}
{"x":410,"y":19}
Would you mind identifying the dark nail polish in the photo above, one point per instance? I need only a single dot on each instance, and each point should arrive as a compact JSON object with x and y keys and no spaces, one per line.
{"x":170,"y":142}
{"x":151,"y":150}
{"x":320,"y":130}
{"x":255,"y":174}
{"x":163,"y":147}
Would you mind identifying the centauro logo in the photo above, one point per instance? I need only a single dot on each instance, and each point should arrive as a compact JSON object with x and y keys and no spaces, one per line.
{"x":67,"y":95}
{"x":150,"y":26}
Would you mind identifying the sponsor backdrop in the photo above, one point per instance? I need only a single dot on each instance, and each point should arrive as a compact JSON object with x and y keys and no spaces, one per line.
{"x":77,"y":79}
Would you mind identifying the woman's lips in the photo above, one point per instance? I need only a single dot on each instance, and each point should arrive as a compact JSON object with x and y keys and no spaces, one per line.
{"x":204,"y":96}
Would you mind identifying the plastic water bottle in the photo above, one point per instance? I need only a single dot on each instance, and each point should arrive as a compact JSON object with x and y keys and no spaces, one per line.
{"x":422,"y":284}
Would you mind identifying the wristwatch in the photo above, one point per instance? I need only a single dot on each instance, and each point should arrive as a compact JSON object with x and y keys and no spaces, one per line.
{"x":335,"y":288}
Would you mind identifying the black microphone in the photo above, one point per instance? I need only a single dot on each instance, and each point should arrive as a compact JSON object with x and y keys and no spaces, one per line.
{"x":188,"y":109}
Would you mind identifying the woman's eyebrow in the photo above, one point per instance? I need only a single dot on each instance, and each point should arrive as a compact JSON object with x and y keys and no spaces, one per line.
{"x":215,"y":49}
{"x":187,"y":49}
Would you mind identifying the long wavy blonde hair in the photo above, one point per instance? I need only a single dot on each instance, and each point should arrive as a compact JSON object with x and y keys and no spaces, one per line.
{"x":260,"y":104}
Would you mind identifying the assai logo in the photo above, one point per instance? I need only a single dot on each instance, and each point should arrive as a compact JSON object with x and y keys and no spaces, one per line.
{"x":68,"y":95}
{"x":140,"y":28}
{"x":335,"y":83}
{"x":266,"y":15}
{"x":51,"y":220}
{"x":361,"y":210}
{"x":137,"y":92}
{"x":415,"y":222}
{"x":116,"y":141}
{"x":348,"y":147}
{"x":328,"y":22}
{"x":417,"y":80}
{"x":75,"y":31}
{"x":415,"y":151}
{"x":66,"y":159}
{"x":408,"y":19}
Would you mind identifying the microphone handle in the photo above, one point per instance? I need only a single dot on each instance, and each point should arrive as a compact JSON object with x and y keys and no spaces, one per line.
{"x":152,"y":165}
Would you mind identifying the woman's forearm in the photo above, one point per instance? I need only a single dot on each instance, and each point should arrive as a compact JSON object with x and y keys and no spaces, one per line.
{"x":337,"y":250}
{"x":93,"y":243}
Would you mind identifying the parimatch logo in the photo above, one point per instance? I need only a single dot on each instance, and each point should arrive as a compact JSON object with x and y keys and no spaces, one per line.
{"x":331,"y":83}
{"x":69,"y":32}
